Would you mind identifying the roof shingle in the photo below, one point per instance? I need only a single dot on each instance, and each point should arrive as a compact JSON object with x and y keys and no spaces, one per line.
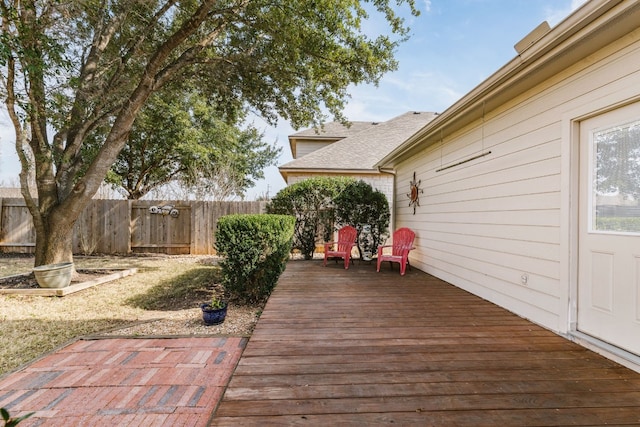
{"x":363,"y":149}
{"x":333,"y":130}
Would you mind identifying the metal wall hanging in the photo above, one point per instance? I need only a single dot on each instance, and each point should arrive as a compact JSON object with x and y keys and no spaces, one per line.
{"x":414,"y":193}
{"x":164,"y":210}
{"x":462,"y":162}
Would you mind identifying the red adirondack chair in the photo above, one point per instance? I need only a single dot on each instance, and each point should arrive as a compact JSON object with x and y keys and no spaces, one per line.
{"x":341,"y":248}
{"x":402,"y":243}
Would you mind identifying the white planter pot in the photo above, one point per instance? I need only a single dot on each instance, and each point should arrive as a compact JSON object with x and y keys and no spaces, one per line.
{"x":54,"y":275}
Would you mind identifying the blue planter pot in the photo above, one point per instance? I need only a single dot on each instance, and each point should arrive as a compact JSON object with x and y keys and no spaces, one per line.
{"x":213,"y":316}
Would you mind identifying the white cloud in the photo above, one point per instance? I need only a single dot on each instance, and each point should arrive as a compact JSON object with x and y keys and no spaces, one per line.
{"x":400,"y":92}
{"x":556,"y":15}
{"x":577,"y":3}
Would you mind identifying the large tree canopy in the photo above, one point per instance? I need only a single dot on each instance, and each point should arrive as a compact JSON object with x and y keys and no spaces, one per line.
{"x":179,"y":138}
{"x":78,"y":72}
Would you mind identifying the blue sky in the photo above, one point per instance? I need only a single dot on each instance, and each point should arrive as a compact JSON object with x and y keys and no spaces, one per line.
{"x":454,"y":46}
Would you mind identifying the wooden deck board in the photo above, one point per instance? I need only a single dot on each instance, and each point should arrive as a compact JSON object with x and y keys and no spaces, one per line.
{"x":356,"y":347}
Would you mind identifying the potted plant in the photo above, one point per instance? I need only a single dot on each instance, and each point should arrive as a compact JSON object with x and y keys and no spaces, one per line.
{"x":214,"y":312}
{"x":54,"y":275}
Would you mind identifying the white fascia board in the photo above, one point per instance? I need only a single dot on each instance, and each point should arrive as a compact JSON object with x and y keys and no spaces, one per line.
{"x":577,"y":27}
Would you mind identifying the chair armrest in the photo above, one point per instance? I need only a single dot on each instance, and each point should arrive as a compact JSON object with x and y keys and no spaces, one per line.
{"x":404,"y":252}
{"x":381,"y":247}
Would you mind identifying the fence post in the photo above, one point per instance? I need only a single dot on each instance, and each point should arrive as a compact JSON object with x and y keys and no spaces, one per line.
{"x":1,"y":230}
{"x":111,"y":223}
{"x":128,"y":219}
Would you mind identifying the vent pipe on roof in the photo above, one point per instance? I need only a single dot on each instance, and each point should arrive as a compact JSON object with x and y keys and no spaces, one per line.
{"x":531,"y":38}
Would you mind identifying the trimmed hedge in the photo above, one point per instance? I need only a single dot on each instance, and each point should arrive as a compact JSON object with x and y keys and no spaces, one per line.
{"x":255,"y":250}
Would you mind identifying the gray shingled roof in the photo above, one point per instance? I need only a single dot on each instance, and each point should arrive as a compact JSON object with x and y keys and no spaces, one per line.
{"x":334,"y":130}
{"x":362,"y":150}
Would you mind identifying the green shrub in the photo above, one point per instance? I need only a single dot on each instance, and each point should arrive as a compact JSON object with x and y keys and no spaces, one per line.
{"x":360,"y":204}
{"x":311,"y":203}
{"x":619,"y":224}
{"x":10,"y":421}
{"x":255,"y":249}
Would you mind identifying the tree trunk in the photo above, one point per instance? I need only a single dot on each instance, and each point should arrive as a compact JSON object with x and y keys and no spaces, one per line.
{"x":54,"y":240}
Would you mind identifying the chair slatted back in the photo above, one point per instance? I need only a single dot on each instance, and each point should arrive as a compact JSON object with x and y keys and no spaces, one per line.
{"x":402,"y":240}
{"x":346,"y":237}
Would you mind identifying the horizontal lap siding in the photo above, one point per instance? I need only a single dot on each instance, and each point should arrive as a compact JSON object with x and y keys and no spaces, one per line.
{"x":304,"y":148}
{"x":483,"y":224}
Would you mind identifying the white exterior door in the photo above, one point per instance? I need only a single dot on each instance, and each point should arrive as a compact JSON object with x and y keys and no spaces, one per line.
{"x":609,"y":237}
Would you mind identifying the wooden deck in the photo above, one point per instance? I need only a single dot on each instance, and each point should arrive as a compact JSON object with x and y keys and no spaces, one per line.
{"x":356,"y":347}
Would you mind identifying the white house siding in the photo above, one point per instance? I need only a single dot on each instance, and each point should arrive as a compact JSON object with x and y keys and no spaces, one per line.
{"x":305,"y":147}
{"x":483,"y":224}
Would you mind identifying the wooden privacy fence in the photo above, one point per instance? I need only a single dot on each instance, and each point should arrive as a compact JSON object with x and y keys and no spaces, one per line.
{"x":126,"y":226}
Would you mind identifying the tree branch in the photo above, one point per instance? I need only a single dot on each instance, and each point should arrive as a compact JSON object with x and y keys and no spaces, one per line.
{"x":117,"y":137}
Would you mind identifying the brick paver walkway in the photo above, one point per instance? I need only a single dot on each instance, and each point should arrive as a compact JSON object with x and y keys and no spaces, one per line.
{"x":125,"y":382}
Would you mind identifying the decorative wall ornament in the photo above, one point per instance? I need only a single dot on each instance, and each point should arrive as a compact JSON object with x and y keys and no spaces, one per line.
{"x":165,"y":210}
{"x":414,"y":193}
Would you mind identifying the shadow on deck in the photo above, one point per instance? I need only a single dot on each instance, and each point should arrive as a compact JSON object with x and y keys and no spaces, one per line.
{"x":356,"y":347}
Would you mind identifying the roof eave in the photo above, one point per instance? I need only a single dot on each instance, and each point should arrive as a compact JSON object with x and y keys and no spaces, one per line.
{"x":285,"y":172}
{"x":548,"y":53}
